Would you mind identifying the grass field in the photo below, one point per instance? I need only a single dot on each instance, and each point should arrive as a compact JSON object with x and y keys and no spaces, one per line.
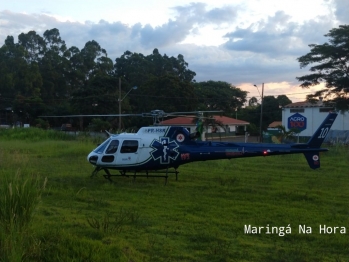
{"x":200,"y":217}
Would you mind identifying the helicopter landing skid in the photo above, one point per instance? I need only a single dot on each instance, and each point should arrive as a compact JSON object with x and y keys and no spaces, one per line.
{"x":145,"y":173}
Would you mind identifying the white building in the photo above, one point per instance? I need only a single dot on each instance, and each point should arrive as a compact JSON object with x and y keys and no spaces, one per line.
{"x":309,"y":116}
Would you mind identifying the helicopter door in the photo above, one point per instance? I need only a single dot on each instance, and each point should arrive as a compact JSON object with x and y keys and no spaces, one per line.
{"x":128,"y":152}
{"x":110,"y":152}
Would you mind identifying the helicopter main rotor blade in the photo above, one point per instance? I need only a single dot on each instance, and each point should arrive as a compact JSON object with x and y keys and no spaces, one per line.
{"x":196,"y":112}
{"x":157,"y":115}
{"x":95,"y":115}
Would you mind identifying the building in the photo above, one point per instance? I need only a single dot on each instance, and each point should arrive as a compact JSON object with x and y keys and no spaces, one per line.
{"x":307,"y":117}
{"x":230,"y":124}
{"x":6,"y":117}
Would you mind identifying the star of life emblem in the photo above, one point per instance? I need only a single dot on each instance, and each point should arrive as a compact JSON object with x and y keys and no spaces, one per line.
{"x":164,"y":150}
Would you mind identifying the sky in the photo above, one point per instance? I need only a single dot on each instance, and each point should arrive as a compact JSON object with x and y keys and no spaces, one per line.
{"x":242,"y":42}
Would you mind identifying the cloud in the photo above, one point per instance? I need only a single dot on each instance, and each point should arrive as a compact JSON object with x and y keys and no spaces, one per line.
{"x":342,"y":11}
{"x":236,"y":67}
{"x":198,"y":13}
{"x":222,"y":15}
{"x":147,"y":37}
{"x":185,"y":23}
{"x":278,"y":36}
{"x":167,"y":34}
{"x":18,"y":22}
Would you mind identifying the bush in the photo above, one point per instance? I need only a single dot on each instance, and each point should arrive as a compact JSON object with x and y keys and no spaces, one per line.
{"x":40,"y":123}
{"x":99,"y":125}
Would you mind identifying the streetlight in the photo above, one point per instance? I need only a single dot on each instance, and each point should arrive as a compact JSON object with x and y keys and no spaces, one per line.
{"x":260,"y":121}
{"x":120,"y":100}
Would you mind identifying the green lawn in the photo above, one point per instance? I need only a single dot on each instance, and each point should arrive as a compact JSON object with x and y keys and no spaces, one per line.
{"x":200,"y":217}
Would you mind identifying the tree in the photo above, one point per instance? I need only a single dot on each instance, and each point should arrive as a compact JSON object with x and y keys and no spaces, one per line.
{"x":167,"y":93}
{"x":331,"y":66}
{"x":218,"y":95}
{"x":33,"y":44}
{"x":98,"y":97}
{"x":99,"y":125}
{"x":54,"y":67}
{"x":136,"y":68}
{"x":11,"y":59}
{"x":21,"y":81}
{"x":283,"y":100}
{"x":252,"y":101}
{"x":271,"y":111}
{"x":163,"y":65}
{"x":163,"y":83}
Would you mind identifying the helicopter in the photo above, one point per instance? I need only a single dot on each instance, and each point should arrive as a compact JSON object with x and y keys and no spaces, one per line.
{"x":157,"y":151}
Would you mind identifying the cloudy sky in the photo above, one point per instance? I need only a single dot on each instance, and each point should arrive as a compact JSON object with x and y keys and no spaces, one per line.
{"x":243,"y":42}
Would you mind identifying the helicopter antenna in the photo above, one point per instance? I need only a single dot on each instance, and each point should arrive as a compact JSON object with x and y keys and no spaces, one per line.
{"x":108,"y":133}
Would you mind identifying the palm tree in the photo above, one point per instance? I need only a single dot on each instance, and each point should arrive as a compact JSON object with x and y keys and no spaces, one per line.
{"x":286,"y":135}
{"x":202,"y":124}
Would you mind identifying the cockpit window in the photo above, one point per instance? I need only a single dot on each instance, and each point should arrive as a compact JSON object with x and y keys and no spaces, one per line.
{"x":100,"y":149}
{"x":129,"y":146}
{"x":113,"y":147}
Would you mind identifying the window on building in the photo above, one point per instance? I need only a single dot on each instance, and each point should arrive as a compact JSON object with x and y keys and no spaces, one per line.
{"x":129,"y":146}
{"x":326,"y":109}
{"x":297,"y":110}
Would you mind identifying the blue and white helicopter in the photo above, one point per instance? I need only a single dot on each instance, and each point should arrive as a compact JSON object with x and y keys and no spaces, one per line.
{"x":156,"y":150}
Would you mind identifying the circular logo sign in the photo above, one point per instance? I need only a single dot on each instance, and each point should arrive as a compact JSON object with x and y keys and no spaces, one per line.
{"x":180,"y":137}
{"x":315,"y":157}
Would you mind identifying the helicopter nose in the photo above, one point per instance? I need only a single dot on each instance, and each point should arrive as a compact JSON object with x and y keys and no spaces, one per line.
{"x":92,"y":159}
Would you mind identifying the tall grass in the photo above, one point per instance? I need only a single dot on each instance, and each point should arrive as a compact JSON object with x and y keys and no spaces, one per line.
{"x":33,"y":134}
{"x":19,"y":197}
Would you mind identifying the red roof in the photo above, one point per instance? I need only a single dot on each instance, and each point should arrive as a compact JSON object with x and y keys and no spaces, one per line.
{"x":275,"y":124}
{"x":190,"y":120}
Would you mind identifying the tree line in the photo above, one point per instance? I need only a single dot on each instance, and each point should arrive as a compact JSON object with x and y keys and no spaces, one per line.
{"x":40,"y":75}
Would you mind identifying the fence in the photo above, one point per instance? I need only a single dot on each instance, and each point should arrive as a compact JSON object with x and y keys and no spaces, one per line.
{"x":337,"y":137}
{"x":229,"y":137}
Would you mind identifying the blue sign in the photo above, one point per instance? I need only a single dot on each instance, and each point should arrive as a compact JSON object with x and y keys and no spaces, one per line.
{"x":297,"y":121}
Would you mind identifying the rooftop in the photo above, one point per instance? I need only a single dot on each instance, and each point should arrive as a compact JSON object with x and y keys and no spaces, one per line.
{"x":275,"y":124}
{"x":307,"y":104}
{"x":190,"y":120}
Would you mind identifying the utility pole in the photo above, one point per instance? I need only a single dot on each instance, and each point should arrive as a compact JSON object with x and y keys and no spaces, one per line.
{"x":261,"y":118}
{"x":261,"y":132}
{"x":119,"y":100}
